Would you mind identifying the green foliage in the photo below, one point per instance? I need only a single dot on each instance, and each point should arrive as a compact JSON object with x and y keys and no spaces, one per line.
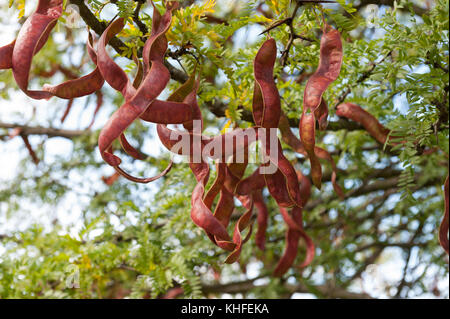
{"x":138,"y":241}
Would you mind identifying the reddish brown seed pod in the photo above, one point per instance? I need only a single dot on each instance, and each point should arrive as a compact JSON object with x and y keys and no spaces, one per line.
{"x":330,"y":62}
{"x":308,"y":137}
{"x":266,"y":99}
{"x":235,"y":173}
{"x":290,"y":139}
{"x":294,"y":233}
{"x":314,"y":107}
{"x":32,"y":36}
{"x":109,"y":180}
{"x":137,"y":101}
{"x":82,"y":86}
{"x":262,"y":218}
{"x":6,"y":56}
{"x":368,"y":121}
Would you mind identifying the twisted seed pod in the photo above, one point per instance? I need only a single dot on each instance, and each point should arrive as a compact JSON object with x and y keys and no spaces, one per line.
{"x":82,"y":86}
{"x":215,"y":223}
{"x":294,"y":233}
{"x":368,"y":121}
{"x":290,"y":139}
{"x":201,"y":200}
{"x":6,"y":56}
{"x":235,"y":172}
{"x":262,"y":218}
{"x":32,"y":36}
{"x":138,"y":101}
{"x":328,"y":70}
{"x":314,"y":107}
{"x":308,"y":137}
{"x":266,"y":99}
{"x":283,"y":184}
{"x":266,"y":113}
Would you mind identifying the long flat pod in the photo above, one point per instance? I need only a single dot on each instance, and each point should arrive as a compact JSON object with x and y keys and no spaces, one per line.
{"x":294,"y":142}
{"x":6,"y":52}
{"x":32,"y":36}
{"x":307,"y":131}
{"x":266,"y":99}
{"x":294,"y":233}
{"x":266,"y":113}
{"x":136,"y":100}
{"x":368,"y":121}
{"x":262,"y":218}
{"x":328,"y":70}
{"x":82,"y":86}
{"x":314,"y":108}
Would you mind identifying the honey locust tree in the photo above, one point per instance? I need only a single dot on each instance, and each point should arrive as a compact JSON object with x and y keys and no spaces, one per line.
{"x":73,"y":226}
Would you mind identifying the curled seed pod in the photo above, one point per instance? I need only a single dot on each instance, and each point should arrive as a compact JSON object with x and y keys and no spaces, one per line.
{"x":283,"y":185}
{"x":252,"y":183}
{"x":201,"y":201}
{"x":266,"y":99}
{"x":368,"y":121}
{"x":82,"y":86}
{"x":328,"y":70}
{"x":308,"y":137}
{"x":313,"y":104}
{"x":109,"y":180}
{"x":200,"y":213}
{"x":290,"y":139}
{"x":217,"y":185}
{"x":235,"y":173}
{"x":266,"y":113}
{"x":32,"y":36}
{"x":294,"y":233}
{"x":111,"y":72}
{"x":262,"y":218}
{"x":443,"y":229}
{"x":6,"y":56}
{"x":136,"y":100}
{"x":305,"y":187}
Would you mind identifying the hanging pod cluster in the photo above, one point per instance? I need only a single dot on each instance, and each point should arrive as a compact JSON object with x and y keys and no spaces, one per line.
{"x":212,"y":208}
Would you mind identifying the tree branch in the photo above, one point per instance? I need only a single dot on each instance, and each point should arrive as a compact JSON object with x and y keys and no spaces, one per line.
{"x":98,"y":26}
{"x":39,"y":130}
{"x":417,"y":10}
{"x":247,"y":285}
